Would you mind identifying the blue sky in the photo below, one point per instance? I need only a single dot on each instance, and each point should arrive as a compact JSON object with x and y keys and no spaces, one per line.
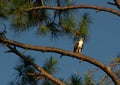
{"x":103,"y":44}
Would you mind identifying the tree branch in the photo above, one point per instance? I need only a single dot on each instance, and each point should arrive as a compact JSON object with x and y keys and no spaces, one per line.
{"x":95,"y":62}
{"x":117,"y":2}
{"x":84,"y":6}
{"x":37,"y":76}
{"x":47,"y":75}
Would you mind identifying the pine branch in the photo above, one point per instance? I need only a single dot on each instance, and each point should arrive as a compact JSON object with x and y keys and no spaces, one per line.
{"x":84,"y":6}
{"x":36,"y":66}
{"x":93,"y":61}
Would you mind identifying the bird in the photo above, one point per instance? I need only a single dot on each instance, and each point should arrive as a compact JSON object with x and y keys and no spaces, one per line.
{"x":79,"y":45}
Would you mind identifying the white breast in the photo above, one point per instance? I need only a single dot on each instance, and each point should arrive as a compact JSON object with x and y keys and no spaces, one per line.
{"x":80,"y":44}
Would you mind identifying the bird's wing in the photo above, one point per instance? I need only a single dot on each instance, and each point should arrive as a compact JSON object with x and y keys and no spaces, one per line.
{"x":75,"y":46}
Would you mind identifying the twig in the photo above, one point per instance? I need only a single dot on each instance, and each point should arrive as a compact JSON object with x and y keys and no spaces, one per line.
{"x":37,"y":76}
{"x":103,"y":79}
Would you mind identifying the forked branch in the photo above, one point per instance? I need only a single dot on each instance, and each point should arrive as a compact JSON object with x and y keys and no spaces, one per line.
{"x":47,"y":75}
{"x":95,"y":62}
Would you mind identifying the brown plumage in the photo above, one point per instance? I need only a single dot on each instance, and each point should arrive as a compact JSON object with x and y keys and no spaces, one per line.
{"x":75,"y":48}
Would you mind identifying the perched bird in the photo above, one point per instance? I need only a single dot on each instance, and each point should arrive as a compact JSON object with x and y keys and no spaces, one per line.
{"x":78,"y":46}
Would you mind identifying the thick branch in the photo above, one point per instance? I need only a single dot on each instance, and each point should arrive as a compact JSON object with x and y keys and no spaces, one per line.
{"x":85,"y":6}
{"x":105,"y":68}
{"x":47,"y":75}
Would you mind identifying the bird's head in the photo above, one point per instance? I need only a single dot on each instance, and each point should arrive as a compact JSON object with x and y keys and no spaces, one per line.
{"x":82,"y":39}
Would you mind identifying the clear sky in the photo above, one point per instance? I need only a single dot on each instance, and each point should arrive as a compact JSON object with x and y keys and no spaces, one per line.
{"x":103,"y":44}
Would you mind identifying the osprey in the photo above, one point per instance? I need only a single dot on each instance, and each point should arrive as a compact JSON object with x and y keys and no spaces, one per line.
{"x":78,"y":46}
